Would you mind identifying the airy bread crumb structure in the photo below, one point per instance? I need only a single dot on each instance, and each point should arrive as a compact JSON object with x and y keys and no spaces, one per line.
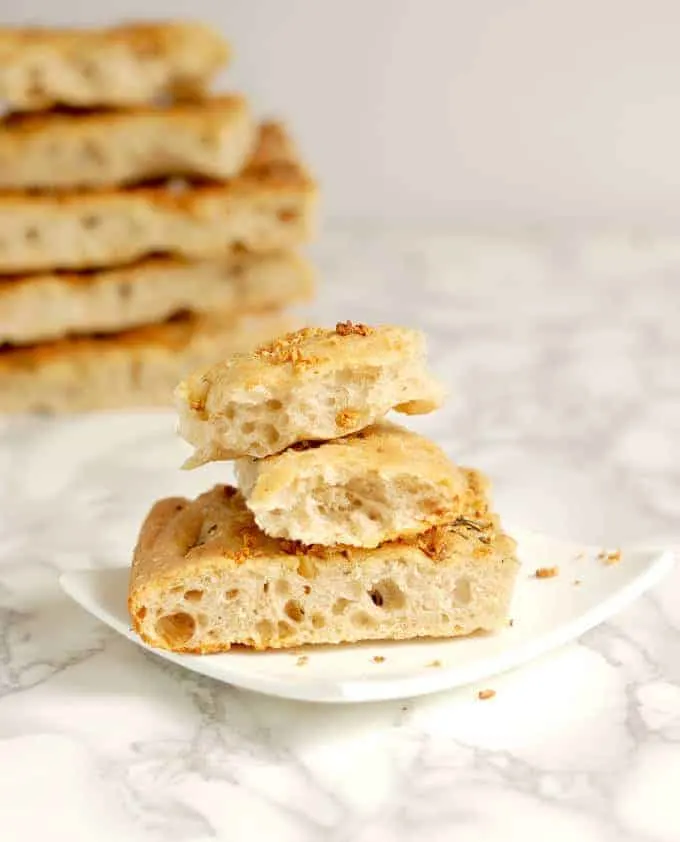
{"x":315,"y":384}
{"x":363,"y":489}
{"x":204,"y":578}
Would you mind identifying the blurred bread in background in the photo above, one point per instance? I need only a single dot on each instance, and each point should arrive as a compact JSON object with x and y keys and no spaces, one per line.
{"x":147,"y":226}
{"x":131,"y":64}
{"x":123,"y":370}
{"x":208,"y":138}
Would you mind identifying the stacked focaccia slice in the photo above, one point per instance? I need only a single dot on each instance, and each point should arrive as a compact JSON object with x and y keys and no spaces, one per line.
{"x":345,"y":527}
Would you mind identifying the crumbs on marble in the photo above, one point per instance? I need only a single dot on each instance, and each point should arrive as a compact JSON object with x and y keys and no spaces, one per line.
{"x":436,"y":663}
{"x":547,"y":572}
{"x":609,"y":556}
{"x":302,"y":660}
{"x":486,"y":694}
{"x":378,"y":659}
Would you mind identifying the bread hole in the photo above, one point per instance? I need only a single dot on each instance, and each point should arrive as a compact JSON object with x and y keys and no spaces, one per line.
{"x":363,"y":620}
{"x":274,"y":405}
{"x":282,"y":587}
{"x":229,"y":412}
{"x":374,"y":516}
{"x":265,"y":630}
{"x":463,"y":591}
{"x":285,"y":629}
{"x":177,"y":589}
{"x":340,"y":605}
{"x":306,"y":568}
{"x":376,"y":597}
{"x":248,"y":427}
{"x":141,"y":613}
{"x":445,"y":618}
{"x":90,"y":221}
{"x":287,"y":215}
{"x":124,"y":290}
{"x":92,"y":151}
{"x":232,"y":594}
{"x":270,"y":434}
{"x":32,"y":234}
{"x":175,"y":629}
{"x":388,"y":595}
{"x":307,"y":589}
{"x":193,"y":595}
{"x":293,"y":610}
{"x":318,"y":620}
{"x":265,"y":587}
{"x":88,"y":69}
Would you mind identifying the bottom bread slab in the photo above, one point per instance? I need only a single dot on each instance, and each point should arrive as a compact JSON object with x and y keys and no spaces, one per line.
{"x":204,"y":578}
{"x":132,"y":369}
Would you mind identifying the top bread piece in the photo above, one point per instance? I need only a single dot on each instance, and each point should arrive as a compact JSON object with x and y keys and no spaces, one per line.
{"x":379,"y":484}
{"x":133,"y":64}
{"x":209,"y":138}
{"x":314,"y":384}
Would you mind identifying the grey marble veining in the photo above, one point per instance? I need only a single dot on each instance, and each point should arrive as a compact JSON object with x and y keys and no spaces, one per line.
{"x":562,"y":357}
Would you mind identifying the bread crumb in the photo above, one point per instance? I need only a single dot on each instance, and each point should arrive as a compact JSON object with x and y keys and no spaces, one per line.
{"x":511,"y":622}
{"x":347,"y":418}
{"x":436,"y":663}
{"x":547,"y":572}
{"x":577,"y":582}
{"x":610,"y":556}
{"x":486,"y":694}
{"x":348,"y":328}
{"x":302,"y":660}
{"x":378,"y":659}
{"x":580,"y":556}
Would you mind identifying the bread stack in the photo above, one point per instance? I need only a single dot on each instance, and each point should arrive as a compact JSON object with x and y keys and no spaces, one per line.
{"x":146,"y":226}
{"x":345,"y":527}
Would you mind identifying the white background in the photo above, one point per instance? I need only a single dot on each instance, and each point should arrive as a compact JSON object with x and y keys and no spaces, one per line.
{"x":494,"y":111}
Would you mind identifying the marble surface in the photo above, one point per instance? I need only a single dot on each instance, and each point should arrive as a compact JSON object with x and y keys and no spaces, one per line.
{"x":561,"y":353}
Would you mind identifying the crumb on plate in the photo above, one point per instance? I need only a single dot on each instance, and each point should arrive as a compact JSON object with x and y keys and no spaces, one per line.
{"x":378,"y":659}
{"x":302,"y":660}
{"x":610,"y":556}
{"x":486,"y":694}
{"x":547,"y":572}
{"x":436,"y":663}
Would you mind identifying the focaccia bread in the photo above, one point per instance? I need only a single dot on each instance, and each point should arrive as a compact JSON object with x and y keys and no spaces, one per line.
{"x":39,"y":308}
{"x":381,"y":483}
{"x":311,"y":385}
{"x":267,"y":207}
{"x":204,"y":578}
{"x":136,"y":368}
{"x":211,"y":138}
{"x":132,"y":64}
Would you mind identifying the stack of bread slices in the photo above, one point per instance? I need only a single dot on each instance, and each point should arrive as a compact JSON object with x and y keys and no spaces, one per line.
{"x":344,"y":526}
{"x":147,"y":227}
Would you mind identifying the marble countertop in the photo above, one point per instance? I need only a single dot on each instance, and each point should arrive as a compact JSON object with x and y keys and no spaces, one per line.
{"x":562,"y":355}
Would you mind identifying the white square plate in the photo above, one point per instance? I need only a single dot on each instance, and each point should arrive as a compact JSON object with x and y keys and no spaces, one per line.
{"x":546,"y":613}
